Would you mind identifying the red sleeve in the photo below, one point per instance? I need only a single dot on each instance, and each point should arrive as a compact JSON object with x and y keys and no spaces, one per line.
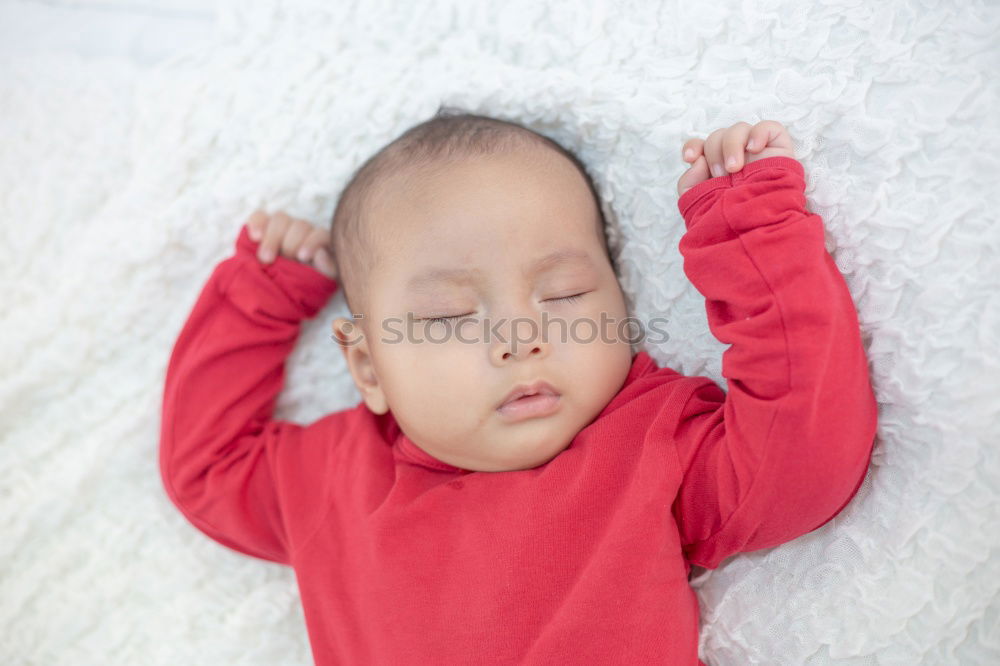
{"x":221,"y":456}
{"x":787,"y":446}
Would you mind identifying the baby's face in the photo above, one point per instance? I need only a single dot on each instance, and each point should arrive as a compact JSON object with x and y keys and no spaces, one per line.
{"x":501,"y":239}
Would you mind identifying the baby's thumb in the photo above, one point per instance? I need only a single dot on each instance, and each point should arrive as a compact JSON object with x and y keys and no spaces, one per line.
{"x":324,"y":264}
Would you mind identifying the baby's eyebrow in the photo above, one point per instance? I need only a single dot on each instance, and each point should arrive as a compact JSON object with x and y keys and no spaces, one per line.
{"x":435,"y":276}
{"x":566,"y":255}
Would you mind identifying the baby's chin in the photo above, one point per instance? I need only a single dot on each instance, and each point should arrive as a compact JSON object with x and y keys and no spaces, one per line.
{"x":528,"y":452}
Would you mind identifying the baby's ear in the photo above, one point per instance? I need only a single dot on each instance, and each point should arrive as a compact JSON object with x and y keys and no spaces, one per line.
{"x":353,"y":343}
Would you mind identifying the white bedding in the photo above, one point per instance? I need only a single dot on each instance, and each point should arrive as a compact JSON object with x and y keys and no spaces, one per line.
{"x":123,"y":182}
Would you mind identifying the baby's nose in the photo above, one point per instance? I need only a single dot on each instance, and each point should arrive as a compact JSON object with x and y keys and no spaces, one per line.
{"x":519,"y":338}
{"x":522,"y":350}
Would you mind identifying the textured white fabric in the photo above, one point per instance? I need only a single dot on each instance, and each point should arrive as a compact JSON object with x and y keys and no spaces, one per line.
{"x":121,"y":187}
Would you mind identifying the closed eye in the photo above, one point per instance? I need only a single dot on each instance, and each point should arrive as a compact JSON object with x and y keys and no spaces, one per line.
{"x":441,"y":319}
{"x":569,"y":299}
{"x":573,"y":298}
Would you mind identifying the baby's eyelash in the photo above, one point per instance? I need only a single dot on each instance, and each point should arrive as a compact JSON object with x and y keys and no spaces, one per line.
{"x":569,"y":299}
{"x":441,"y":319}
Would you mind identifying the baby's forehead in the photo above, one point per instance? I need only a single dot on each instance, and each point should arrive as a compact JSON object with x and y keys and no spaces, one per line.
{"x":482,"y":210}
{"x":493,"y":189}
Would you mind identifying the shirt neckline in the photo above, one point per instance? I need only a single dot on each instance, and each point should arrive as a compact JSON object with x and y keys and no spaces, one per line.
{"x":409,"y":450}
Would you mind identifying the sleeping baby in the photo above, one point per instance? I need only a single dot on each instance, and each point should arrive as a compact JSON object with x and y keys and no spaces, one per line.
{"x":519,"y":484}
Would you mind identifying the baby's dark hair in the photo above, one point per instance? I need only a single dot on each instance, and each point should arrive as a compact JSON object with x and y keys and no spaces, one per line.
{"x":450,"y":134}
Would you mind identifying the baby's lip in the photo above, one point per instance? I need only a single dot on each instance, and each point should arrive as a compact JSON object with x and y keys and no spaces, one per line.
{"x":535,"y":388}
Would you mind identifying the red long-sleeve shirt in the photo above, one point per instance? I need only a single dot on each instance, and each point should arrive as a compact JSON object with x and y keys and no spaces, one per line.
{"x":403,"y":559}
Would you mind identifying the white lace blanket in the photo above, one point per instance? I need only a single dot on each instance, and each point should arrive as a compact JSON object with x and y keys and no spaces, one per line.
{"x":121,"y":186}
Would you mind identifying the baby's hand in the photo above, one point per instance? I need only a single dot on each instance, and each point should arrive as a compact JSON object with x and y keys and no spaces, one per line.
{"x":293,"y":238}
{"x":768,"y":138}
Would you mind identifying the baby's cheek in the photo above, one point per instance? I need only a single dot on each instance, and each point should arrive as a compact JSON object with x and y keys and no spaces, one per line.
{"x":602,"y":366}
{"x":434,"y":382}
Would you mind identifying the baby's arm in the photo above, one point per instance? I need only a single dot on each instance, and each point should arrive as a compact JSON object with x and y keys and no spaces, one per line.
{"x":788,"y":445}
{"x":229,"y":468}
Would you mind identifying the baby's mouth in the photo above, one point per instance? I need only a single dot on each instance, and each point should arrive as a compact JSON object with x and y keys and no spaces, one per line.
{"x":521,"y":391}
{"x":530,"y":401}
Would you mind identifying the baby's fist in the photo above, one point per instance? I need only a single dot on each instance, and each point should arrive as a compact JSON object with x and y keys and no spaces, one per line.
{"x":292,"y":238}
{"x":729,"y":149}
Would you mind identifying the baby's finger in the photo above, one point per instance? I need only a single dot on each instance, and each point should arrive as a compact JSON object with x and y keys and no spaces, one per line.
{"x":691,"y":150}
{"x":317,"y":237}
{"x":256,"y":224}
{"x":273,"y":236}
{"x":763,"y":133}
{"x":734,"y":142}
{"x":713,"y":153}
{"x":324,"y":263}
{"x":696,"y":174}
{"x":295,"y":235}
